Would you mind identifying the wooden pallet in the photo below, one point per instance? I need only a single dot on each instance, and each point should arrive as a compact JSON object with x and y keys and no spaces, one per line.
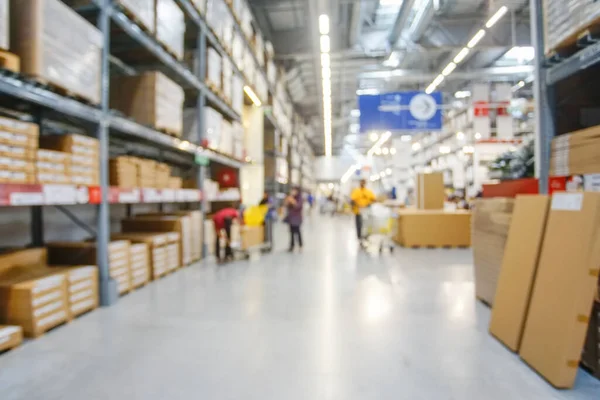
{"x":61,"y":90}
{"x":10,"y":61}
{"x":169,"y":132}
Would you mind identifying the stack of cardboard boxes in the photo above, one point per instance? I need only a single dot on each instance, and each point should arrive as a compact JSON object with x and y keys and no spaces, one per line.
{"x":151,"y":99}
{"x":84,"y":156}
{"x":11,"y":336}
{"x":214,"y":69}
{"x":53,"y":167}
{"x":491,"y":222}
{"x":162,"y":173}
{"x":576,"y":153}
{"x":123,"y":172}
{"x":82,"y":287}
{"x":175,"y":182}
{"x":157,"y":249}
{"x":140,"y":264}
{"x":18,"y":146}
{"x":170,"y":26}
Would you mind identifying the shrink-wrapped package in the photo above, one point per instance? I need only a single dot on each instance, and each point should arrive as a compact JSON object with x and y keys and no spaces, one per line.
{"x":57,"y":46}
{"x":170,"y":26}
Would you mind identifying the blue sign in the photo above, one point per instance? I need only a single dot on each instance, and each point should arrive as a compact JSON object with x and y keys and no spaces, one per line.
{"x":401,"y":111}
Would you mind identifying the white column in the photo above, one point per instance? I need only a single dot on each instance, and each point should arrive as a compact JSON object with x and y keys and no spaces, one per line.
{"x":504,"y":121}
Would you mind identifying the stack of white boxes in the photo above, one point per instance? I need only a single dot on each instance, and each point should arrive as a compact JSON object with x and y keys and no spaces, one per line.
{"x":173,"y":251}
{"x":120,"y":265}
{"x":170,"y":26}
{"x":214,"y":68}
{"x":213,"y":126}
{"x":140,"y":264}
{"x":565,"y":19}
{"x":227,"y":76}
{"x":82,"y":285}
{"x":237,"y":94}
{"x":226,"y":142}
{"x":238,"y":141}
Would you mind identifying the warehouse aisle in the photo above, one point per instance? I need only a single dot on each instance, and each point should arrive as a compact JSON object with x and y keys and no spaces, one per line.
{"x":325,"y":324}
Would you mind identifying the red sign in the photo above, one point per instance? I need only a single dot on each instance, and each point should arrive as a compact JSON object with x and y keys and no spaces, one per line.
{"x":481,"y":108}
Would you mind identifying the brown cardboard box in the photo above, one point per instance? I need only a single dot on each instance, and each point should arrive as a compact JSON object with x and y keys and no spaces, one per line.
{"x":423,"y":228}
{"x":140,"y":264}
{"x":151,"y":99}
{"x":491,"y":222}
{"x":22,"y":259}
{"x":16,"y":126}
{"x":82,"y":253}
{"x":17,"y":165}
{"x":175,"y":183}
{"x":82,"y":286}
{"x":430,"y":191}
{"x":18,"y":139}
{"x":57,"y":46}
{"x":157,"y":253}
{"x":564,"y":289}
{"x":163,"y":172}
{"x":11,"y":336}
{"x":123,"y":172}
{"x":252,"y":236}
{"x":18,"y":152}
{"x":72,"y":143}
{"x":36,"y":300}
{"x":168,"y":223}
{"x":16,"y":177}
{"x":518,"y":271}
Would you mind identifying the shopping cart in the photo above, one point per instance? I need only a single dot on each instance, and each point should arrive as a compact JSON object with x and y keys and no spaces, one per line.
{"x":380,"y":226}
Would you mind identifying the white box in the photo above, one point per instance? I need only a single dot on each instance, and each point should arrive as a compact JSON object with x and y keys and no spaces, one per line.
{"x":144,"y":10}
{"x":214,"y":67}
{"x":238,"y":149}
{"x":227,"y":76}
{"x":213,"y":126}
{"x":237,"y":94}
{"x":170,"y":26}
{"x":226,"y":140}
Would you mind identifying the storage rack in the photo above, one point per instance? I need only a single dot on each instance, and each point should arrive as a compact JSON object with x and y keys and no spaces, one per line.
{"x":44,"y":103}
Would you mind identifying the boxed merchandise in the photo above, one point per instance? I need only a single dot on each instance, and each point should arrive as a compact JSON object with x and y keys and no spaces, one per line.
{"x":82,"y":287}
{"x":140,"y":264}
{"x":564,"y":288}
{"x":252,"y":236}
{"x":175,"y":183}
{"x":173,"y":250}
{"x":50,"y":161}
{"x":237,"y":49}
{"x":430,"y":191}
{"x":214,"y":68}
{"x":167,"y":223}
{"x":430,"y":228}
{"x":213,"y":125}
{"x":170,"y":27}
{"x":200,"y":5}
{"x":17,"y":165}
{"x":591,"y":350}
{"x":84,"y":165}
{"x":81,"y":253}
{"x":227,"y":75}
{"x":566,"y":19}
{"x":226,"y":142}
{"x":157,"y":249}
{"x":190,"y":125}
{"x":146,"y":172}
{"x":144,"y":12}
{"x":123,"y":172}
{"x":151,"y":99}
{"x":61,"y":48}
{"x":162,"y":173}
{"x":491,"y":222}
{"x":11,"y":336}
{"x":35,"y":299}
{"x":18,"y":133}
{"x":237,"y":94}
{"x":519,"y":265}
{"x":17,"y":152}
{"x":210,"y":236}
{"x":576,"y":153}
{"x":4,"y":25}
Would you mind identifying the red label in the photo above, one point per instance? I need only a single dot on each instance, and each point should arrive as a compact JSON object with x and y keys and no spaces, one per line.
{"x":481,"y":108}
{"x":95,"y":194}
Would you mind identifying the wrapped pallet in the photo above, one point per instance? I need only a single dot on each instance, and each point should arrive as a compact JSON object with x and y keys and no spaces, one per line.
{"x":143,"y":11}
{"x":170,"y":26}
{"x":214,"y":68}
{"x":491,"y":222}
{"x":57,"y":46}
{"x":151,"y":99}
{"x":566,"y":19}
{"x":4,"y":25}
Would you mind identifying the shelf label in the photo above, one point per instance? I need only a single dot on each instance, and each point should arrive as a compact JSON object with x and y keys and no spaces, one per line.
{"x":26,"y":199}
{"x":131,"y":196}
{"x":151,"y":196}
{"x":202,"y":160}
{"x":168,"y":195}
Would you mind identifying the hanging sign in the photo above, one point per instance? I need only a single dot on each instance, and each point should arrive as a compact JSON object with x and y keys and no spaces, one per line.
{"x":401,"y":111}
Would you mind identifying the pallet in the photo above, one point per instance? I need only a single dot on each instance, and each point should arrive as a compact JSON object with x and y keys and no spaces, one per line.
{"x":61,"y":90}
{"x":10,"y":61}
{"x":169,"y":132}
{"x":585,"y":36}
{"x":168,"y":49}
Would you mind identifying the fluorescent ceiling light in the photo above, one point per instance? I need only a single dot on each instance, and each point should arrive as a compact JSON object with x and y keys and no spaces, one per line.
{"x":325,"y":60}
{"x":406,"y":138}
{"x":363,"y":92}
{"x":349,"y":173}
{"x":392,"y":150}
{"x":476,"y":39}
{"x":248,"y":90}
{"x":496,"y":17}
{"x":449,"y":69}
{"x":325,"y":44}
{"x":445,"y":150}
{"x":326,"y":72}
{"x":388,"y":171}
{"x":463,"y":94}
{"x":386,"y":151}
{"x":461,"y":55}
{"x":460,"y":136}
{"x":393,"y":60}
{"x":373,"y":136}
{"x":377,"y":146}
{"x":522,"y":54}
{"x":355,"y":113}
{"x":521,"y":84}
{"x":477,"y":135}
{"x":382,"y":174}
{"x":468,"y":149}
{"x":439,"y":79}
{"x":416,"y":146}
{"x":324,"y":24}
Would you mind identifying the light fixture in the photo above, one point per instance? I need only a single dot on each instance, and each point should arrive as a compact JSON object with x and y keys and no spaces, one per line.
{"x":460,"y":136}
{"x":382,"y":174}
{"x":349,"y":173}
{"x":373,"y":136}
{"x":416,"y":146}
{"x":445,"y":150}
{"x":449,"y":69}
{"x":324,"y":24}
{"x":478,"y":136}
{"x":476,"y":39}
{"x":468,"y":149}
{"x":406,"y":138}
{"x":355,"y":113}
{"x":496,"y":17}
{"x":392,"y":150}
{"x":461,"y":55}
{"x":248,"y":90}
{"x":462,"y":94}
{"x":393,"y":60}
{"x":385,"y":151}
{"x":326,"y":72}
{"x":377,"y":146}
{"x":325,"y":44}
{"x":325,"y":60}
{"x":330,"y":186}
{"x":378,"y":151}
{"x":388,"y":171}
{"x":521,"y":84}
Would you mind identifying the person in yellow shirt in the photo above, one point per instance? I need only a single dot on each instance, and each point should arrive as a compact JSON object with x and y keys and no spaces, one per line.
{"x":361,"y":198}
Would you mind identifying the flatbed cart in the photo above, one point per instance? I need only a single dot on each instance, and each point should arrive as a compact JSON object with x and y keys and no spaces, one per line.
{"x":380,"y":224}
{"x":265,"y":247}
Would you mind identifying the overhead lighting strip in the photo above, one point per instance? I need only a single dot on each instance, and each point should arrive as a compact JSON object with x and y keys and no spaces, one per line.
{"x":325,"y":44}
{"x":464,"y":52}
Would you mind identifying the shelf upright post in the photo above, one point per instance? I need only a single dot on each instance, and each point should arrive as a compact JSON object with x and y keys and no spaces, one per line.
{"x":200,"y":120}
{"x":108,"y":287}
{"x":37,"y":212}
{"x":544,"y":98}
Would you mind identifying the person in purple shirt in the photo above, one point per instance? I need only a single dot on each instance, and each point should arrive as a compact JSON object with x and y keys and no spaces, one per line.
{"x":294,"y":204}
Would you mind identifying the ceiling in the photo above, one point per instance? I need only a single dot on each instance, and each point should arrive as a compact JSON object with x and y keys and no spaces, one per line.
{"x":370,"y":38}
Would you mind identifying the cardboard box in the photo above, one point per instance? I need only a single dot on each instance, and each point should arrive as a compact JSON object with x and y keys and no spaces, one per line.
{"x":491,"y":222}
{"x":17,"y":126}
{"x":156,"y":244}
{"x":82,"y":253}
{"x":11,"y":336}
{"x":72,"y":143}
{"x":140,"y":264}
{"x":564,"y":289}
{"x":179,"y":224}
{"x":423,"y":228}
{"x":58,"y":46}
{"x":214,"y":68}
{"x":82,"y":286}
{"x":252,"y":236}
{"x":519,"y":266}
{"x":36,"y":300}
{"x":17,"y":165}
{"x":430,"y":191}
{"x":151,"y":99}
{"x":170,"y":27}
{"x":175,"y":182}
{"x":17,"y":152}
{"x":18,"y":139}
{"x":52,"y":178}
{"x":123,"y":172}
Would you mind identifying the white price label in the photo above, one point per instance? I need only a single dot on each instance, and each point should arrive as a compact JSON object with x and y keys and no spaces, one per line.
{"x":130,"y":197}
{"x":60,"y":194}
{"x":152,"y":196}
{"x":168,"y":195}
{"x":567,"y":201}
{"x":26,"y":199}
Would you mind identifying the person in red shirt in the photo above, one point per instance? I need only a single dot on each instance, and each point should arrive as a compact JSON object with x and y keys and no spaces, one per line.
{"x":223,"y":220}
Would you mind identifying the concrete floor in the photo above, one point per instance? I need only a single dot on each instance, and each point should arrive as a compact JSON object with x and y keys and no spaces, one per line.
{"x":330,"y":323}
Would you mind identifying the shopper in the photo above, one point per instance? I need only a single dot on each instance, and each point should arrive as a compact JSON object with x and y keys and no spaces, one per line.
{"x":294,"y":204}
{"x":361,"y":198}
{"x":223,"y":220}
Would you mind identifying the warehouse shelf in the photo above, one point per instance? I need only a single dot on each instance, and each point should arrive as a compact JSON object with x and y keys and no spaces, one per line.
{"x":580,"y":61}
{"x":15,"y":195}
{"x":177,"y":69}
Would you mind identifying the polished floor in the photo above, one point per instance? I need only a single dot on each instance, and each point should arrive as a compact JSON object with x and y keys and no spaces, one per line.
{"x":329,"y":323}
